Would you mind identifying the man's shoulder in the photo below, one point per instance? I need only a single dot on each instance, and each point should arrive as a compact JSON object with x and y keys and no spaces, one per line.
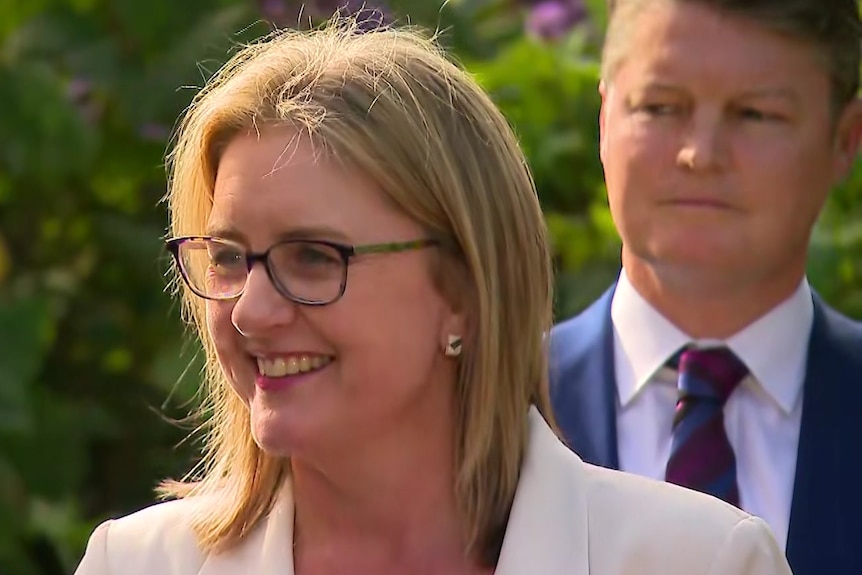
{"x":836,"y":341}
{"x":577,"y":333}
{"x":597,"y":310}
{"x":836,"y":326}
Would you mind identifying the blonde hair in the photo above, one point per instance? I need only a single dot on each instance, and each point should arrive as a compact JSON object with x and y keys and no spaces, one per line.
{"x":391,"y":104}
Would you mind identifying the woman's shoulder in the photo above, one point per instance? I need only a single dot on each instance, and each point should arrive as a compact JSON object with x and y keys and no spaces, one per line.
{"x":168,"y":523}
{"x":625,"y":523}
{"x":656,"y":502}
{"x":676,"y":526}
{"x":156,"y":539}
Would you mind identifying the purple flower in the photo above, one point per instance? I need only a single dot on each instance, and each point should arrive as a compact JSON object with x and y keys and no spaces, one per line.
{"x":553,"y":19}
{"x":80,"y":92}
{"x":369,"y":15}
{"x":280,"y":12}
{"x":78,"y":89}
{"x":154,"y":132}
{"x":272,"y":9}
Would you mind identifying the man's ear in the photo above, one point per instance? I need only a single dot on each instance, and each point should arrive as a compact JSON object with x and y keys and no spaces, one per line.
{"x":603,"y":92}
{"x":848,"y":133}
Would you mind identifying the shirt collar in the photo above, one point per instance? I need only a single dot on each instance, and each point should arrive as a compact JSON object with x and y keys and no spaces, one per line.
{"x":774,"y":347}
{"x":644,"y":336}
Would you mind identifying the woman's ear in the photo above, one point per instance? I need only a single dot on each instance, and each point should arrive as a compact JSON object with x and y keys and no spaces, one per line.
{"x":454,"y":333}
{"x":453,"y":281}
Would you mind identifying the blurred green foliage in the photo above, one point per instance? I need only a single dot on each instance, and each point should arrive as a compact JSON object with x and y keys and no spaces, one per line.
{"x":94,"y":363}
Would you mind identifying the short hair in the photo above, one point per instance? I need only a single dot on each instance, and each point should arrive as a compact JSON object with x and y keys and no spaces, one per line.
{"x":831,"y":26}
{"x":392,"y":105}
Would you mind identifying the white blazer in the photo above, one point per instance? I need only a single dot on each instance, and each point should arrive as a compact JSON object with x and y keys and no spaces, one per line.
{"x":568,"y":518}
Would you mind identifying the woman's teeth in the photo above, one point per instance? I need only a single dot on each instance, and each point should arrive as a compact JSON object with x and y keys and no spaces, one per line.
{"x":282,"y":366}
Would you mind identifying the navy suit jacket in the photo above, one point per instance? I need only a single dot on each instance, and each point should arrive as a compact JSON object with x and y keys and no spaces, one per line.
{"x":825,"y":532}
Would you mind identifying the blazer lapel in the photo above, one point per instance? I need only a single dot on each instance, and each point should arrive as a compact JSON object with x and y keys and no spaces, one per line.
{"x":583,"y":383}
{"x":547,"y":532}
{"x":267,"y":551}
{"x":825,"y":532}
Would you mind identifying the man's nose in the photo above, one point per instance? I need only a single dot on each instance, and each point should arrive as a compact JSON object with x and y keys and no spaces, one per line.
{"x":704,"y":147}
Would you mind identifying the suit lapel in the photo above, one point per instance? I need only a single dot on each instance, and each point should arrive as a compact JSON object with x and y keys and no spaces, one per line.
{"x":583,"y":385}
{"x":547,"y":533}
{"x":267,"y":551}
{"x":825,"y":533}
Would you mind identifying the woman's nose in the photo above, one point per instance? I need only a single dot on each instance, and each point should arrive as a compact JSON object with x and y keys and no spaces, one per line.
{"x":261,"y":308}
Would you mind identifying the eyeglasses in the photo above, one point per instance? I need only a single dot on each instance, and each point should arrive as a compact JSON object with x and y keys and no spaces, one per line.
{"x":308,"y":272}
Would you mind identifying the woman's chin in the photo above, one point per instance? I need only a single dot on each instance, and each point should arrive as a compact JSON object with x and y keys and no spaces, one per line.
{"x":272,"y":430}
{"x":281,"y":431}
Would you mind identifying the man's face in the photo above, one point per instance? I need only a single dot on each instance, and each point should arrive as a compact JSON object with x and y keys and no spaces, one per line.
{"x":719,"y":145}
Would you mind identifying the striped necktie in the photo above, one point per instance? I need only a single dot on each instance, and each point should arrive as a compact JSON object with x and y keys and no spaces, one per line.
{"x":701,"y":456}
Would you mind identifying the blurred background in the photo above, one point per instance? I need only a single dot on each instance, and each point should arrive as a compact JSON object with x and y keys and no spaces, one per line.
{"x":95,"y":365}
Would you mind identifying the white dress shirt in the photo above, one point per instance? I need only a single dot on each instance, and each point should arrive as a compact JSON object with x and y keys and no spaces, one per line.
{"x":762,"y":416}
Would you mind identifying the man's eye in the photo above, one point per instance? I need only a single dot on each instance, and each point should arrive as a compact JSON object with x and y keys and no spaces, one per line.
{"x":658,"y":109}
{"x":757,"y":115}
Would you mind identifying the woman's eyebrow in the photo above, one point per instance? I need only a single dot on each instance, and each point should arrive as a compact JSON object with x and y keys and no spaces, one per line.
{"x":313,"y":232}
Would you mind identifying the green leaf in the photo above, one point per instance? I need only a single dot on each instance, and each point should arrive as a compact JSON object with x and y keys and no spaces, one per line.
{"x":5,"y":261}
{"x":15,"y":12}
{"x":25,"y":335}
{"x":40,"y":127}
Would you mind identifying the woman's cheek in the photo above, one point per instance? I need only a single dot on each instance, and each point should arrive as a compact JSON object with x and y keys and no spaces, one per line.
{"x":225,"y":338}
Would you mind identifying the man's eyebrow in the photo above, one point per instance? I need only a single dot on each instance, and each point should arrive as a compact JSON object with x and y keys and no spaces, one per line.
{"x":780,"y":93}
{"x":660,"y":87}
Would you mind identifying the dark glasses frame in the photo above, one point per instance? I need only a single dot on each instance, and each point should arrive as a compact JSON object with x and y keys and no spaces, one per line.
{"x":346,"y":252}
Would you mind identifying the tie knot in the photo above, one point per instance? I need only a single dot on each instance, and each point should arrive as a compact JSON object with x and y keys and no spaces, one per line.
{"x":711,"y":373}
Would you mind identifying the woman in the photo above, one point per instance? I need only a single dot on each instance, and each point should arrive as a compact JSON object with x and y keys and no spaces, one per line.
{"x":363,"y":253}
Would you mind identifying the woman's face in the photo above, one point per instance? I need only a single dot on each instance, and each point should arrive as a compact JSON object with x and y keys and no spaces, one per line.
{"x":370,"y":363}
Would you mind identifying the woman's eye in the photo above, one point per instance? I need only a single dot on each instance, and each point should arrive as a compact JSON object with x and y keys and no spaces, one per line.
{"x":226,"y":258}
{"x":309,"y":255}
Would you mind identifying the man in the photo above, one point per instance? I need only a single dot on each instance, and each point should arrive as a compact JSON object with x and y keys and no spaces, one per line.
{"x":724,"y":124}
